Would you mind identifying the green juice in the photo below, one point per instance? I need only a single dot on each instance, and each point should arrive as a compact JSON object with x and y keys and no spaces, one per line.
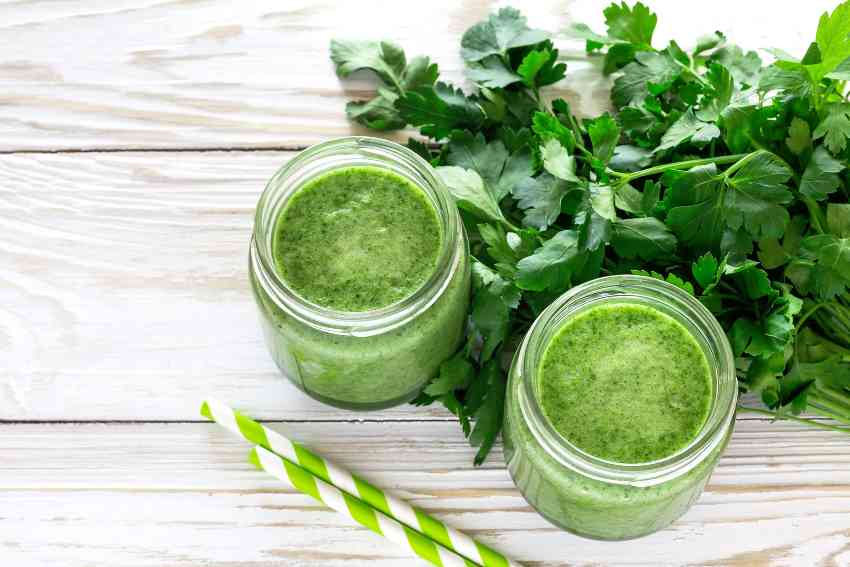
{"x":355,"y":240}
{"x":626,"y":384}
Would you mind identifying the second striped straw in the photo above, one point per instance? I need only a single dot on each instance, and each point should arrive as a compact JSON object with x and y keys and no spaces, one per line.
{"x":384,"y":502}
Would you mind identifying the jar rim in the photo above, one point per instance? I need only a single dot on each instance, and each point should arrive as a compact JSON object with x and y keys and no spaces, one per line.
{"x":678,"y":304}
{"x":322,"y":158}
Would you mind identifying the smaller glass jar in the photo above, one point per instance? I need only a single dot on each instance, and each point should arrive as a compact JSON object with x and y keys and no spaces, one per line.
{"x":371,"y":359}
{"x":590,"y":496}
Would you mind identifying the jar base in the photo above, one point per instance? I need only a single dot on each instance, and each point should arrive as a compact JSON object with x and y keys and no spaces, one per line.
{"x":355,"y":406}
{"x":595,"y":537}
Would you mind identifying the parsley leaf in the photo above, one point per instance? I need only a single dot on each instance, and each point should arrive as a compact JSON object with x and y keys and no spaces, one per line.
{"x":540,"y":197}
{"x":799,"y":138}
{"x":491,"y":306}
{"x":833,"y":41}
{"x":703,"y":203}
{"x":604,"y":135}
{"x":488,"y":417}
{"x":499,"y":170}
{"x":756,"y":193}
{"x":557,"y":161}
{"x":548,"y":127}
{"x":455,"y":374}
{"x":838,"y":219}
{"x":552,"y":265}
{"x":594,"y":215}
{"x":491,"y":72}
{"x":821,"y":175}
{"x":745,"y":66}
{"x":646,"y":238}
{"x":540,"y":68}
{"x":830,"y":257}
{"x":502,"y":31}
{"x":634,"y":25}
{"x":384,"y":58}
{"x":387,"y":60}
{"x":650,"y":73}
{"x":439,"y":110}
{"x":688,"y":128}
{"x":835,"y":127}
{"x":470,"y":193}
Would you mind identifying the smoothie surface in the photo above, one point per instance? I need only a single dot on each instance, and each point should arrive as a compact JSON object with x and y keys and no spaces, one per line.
{"x":626,"y":383}
{"x":357,"y":239}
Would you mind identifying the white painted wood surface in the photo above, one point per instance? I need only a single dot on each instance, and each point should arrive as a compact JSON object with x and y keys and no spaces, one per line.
{"x":181,"y":74}
{"x":183,"y":494}
{"x":124,"y":301}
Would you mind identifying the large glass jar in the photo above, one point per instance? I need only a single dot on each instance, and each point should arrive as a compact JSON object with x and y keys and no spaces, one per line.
{"x":590,"y":496}
{"x":370,"y":359}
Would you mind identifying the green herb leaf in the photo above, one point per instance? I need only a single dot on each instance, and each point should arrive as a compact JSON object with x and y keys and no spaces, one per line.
{"x":646,"y":238}
{"x":634,"y":25}
{"x":548,"y":127}
{"x":385,"y":58}
{"x":833,"y":41}
{"x":557,"y":161}
{"x":491,"y":72}
{"x":650,"y":73}
{"x":707,"y":271}
{"x":756,"y":195}
{"x":831,"y":263}
{"x":835,"y":128}
{"x":688,"y":128}
{"x":821,"y":175}
{"x":791,"y":78}
{"x":838,"y":219}
{"x":552,"y":265}
{"x":491,"y":309}
{"x":470,"y":194}
{"x":745,"y":66}
{"x":455,"y":374}
{"x":671,"y":278}
{"x":540,"y":198}
{"x":500,"y":170}
{"x":439,"y":110}
{"x":504,"y":30}
{"x":489,"y":416}
{"x":604,"y":136}
{"x":799,"y":138}
{"x":539,"y":68}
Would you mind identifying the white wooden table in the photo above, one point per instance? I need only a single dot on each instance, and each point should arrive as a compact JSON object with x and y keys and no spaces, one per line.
{"x":136,"y":136}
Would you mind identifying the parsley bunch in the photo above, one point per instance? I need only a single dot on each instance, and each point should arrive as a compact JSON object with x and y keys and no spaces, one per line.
{"x":721,"y":175}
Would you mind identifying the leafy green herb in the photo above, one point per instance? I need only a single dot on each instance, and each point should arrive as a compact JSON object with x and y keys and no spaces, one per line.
{"x":716,"y":174}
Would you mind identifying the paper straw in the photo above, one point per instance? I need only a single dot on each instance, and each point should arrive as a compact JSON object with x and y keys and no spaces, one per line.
{"x":381,"y":500}
{"x":356,"y":509}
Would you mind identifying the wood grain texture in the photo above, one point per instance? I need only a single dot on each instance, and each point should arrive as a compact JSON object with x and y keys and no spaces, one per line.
{"x":181,"y":74}
{"x":124,"y":289}
{"x":183,"y":494}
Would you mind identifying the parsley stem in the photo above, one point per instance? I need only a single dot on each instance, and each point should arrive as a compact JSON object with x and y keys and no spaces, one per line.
{"x":814,"y":212}
{"x":687,"y":164}
{"x":806,"y":315}
{"x":779,"y":416}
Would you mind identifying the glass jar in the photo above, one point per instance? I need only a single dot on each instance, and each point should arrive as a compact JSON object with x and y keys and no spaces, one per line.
{"x":371,"y":359}
{"x":590,"y":496}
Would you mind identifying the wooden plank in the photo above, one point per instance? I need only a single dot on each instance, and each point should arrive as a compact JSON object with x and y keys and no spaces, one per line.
{"x":180,"y":74}
{"x":124,"y":290}
{"x":183,"y":494}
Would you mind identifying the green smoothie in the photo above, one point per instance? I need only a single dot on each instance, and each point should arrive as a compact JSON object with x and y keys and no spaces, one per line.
{"x":357,"y":239}
{"x":625,"y":383}
{"x":620,"y":381}
{"x":354,"y":240}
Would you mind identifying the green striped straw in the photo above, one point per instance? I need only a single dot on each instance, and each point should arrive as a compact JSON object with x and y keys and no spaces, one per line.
{"x":382,"y":501}
{"x":354,"y":508}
